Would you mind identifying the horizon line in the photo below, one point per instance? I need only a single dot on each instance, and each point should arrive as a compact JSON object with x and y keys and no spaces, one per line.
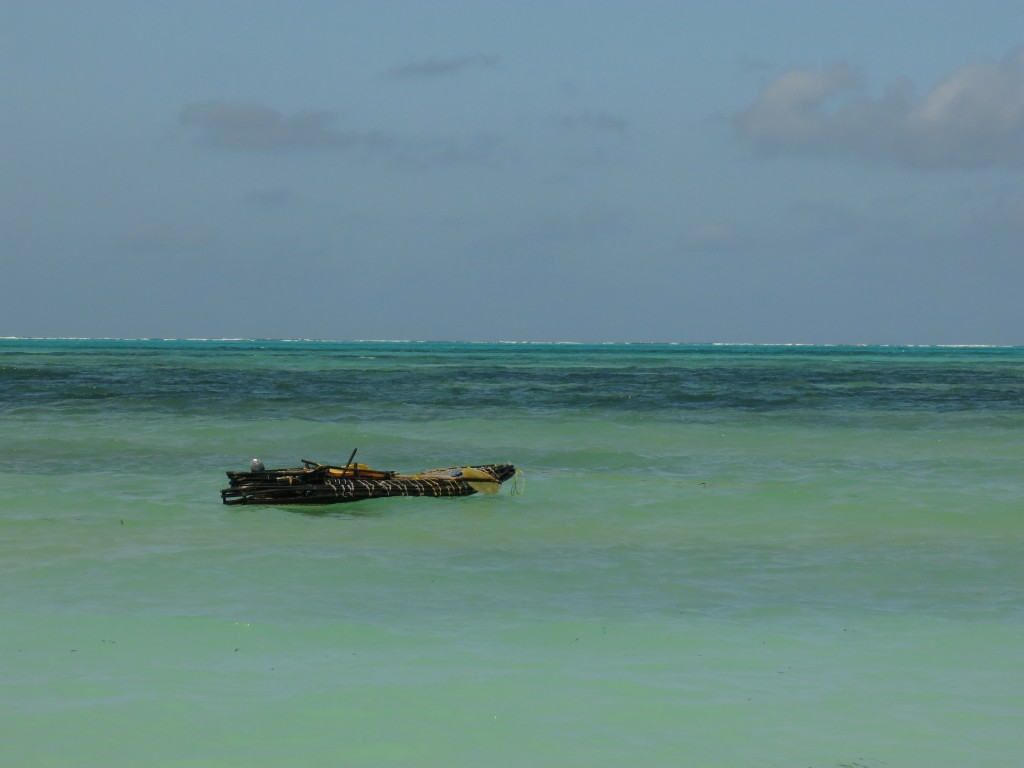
{"x":509,"y":342}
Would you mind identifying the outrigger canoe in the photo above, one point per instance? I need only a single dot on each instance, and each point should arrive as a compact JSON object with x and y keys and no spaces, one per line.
{"x":316,"y":483}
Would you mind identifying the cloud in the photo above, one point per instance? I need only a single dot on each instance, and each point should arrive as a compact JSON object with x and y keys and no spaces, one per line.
{"x":246,"y":126}
{"x":594,"y":120}
{"x":974,"y":117}
{"x":159,"y":240}
{"x":251,"y":127}
{"x":710,"y":236}
{"x":443,"y":67}
{"x":551,"y":240}
{"x":481,"y":149}
{"x":269,"y":198}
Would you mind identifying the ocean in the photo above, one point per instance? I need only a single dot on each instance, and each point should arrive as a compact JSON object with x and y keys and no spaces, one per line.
{"x":723,"y":556}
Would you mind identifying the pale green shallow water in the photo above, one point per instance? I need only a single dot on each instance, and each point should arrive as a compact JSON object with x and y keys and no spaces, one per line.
{"x":725,"y":556}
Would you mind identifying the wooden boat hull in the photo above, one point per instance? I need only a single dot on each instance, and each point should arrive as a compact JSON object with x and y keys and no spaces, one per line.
{"x":337,"y":485}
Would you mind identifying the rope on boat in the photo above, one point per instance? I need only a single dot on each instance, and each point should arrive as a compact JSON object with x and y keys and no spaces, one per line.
{"x":516,"y":489}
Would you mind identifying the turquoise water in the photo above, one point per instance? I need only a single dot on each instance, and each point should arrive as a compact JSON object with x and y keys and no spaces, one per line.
{"x":725,"y":556}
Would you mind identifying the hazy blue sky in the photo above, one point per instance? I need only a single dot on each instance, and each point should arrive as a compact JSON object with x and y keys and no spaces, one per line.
{"x":827,"y":171}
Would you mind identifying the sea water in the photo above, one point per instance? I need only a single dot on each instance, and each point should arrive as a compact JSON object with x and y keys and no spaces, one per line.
{"x":725,"y":556}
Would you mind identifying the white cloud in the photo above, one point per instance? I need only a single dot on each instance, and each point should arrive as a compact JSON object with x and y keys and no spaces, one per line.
{"x":710,"y":236}
{"x":228,"y":125}
{"x":275,"y":197}
{"x":444,"y":67}
{"x":974,"y":117}
{"x":600,"y":121}
{"x":239,"y":126}
{"x":159,"y":240}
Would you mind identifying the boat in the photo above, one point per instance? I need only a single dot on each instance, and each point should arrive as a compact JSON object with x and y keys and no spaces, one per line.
{"x":316,"y":483}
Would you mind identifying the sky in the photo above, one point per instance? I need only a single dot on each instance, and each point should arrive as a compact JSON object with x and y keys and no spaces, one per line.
{"x":826,"y":172}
